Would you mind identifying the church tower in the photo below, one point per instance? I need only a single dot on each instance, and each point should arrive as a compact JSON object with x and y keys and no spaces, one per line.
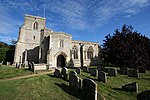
{"x":27,"y":47}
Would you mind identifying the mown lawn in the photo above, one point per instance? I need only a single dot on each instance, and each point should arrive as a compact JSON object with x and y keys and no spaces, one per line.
{"x":47,"y":87}
{"x":9,"y":71}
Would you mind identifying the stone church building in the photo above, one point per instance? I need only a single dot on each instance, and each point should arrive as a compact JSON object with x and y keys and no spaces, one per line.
{"x":40,"y":45}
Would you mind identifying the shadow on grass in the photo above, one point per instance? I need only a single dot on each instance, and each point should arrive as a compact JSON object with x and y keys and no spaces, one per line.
{"x":67,"y":89}
{"x":120,"y":89}
{"x":58,"y":77}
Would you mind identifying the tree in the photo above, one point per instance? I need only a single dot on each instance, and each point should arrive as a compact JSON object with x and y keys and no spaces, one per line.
{"x":126,"y":48}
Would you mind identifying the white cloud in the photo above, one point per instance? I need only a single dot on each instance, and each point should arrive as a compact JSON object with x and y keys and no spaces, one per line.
{"x":74,"y":14}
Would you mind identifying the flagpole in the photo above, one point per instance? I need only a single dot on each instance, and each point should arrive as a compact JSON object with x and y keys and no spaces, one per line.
{"x":44,"y":12}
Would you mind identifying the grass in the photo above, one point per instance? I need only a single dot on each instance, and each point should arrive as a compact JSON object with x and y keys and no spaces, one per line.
{"x":47,"y":87}
{"x":9,"y":71}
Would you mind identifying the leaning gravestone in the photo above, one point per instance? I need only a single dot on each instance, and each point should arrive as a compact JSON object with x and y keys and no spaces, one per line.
{"x":74,"y":81}
{"x":89,"y":90}
{"x":78,"y":70}
{"x":57,"y":73}
{"x":133,"y":73}
{"x":112,"y":72}
{"x":145,"y":95}
{"x":85,"y":69}
{"x":133,"y":87}
{"x":94,"y":72}
{"x":102,"y":76}
{"x":64,"y":72}
{"x":124,"y":70}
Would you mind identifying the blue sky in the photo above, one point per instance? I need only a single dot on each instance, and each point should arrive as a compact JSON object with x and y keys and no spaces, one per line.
{"x":87,"y":20}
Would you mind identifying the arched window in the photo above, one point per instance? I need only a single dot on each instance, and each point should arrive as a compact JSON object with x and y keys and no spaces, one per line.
{"x":61,"y":43}
{"x":35,"y":25}
{"x":90,"y":53}
{"x":75,"y":52}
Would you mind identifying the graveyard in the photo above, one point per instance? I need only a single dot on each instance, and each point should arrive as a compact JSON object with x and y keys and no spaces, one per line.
{"x":50,"y":87}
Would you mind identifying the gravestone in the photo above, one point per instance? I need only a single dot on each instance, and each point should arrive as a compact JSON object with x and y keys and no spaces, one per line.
{"x":145,"y":95}
{"x":80,"y":83}
{"x":74,"y":81}
{"x":85,"y":69}
{"x":57,"y":73}
{"x":72,"y":73}
{"x":16,"y":65}
{"x":124,"y":70}
{"x":94,"y":72}
{"x":102,"y":76}
{"x":8,"y":63}
{"x":64,"y":72}
{"x":78,"y":70}
{"x":89,"y":90}
{"x":112,"y":72}
{"x":32,"y":67}
{"x":1,"y":63}
{"x":100,"y":68}
{"x":133,"y":87}
{"x":133,"y":73}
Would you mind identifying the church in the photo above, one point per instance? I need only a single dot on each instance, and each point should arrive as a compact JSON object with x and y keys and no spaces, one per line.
{"x":44,"y":46}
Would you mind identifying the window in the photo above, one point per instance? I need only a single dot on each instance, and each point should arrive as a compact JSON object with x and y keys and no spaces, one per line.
{"x":90,"y":53}
{"x":61,"y":43}
{"x":33,"y":37}
{"x":35,"y":26}
{"x":75,"y":52}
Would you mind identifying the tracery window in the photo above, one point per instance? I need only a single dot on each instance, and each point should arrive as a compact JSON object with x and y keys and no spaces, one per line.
{"x":90,"y":52}
{"x":35,"y":26}
{"x":61,"y":43}
{"x":75,"y":52}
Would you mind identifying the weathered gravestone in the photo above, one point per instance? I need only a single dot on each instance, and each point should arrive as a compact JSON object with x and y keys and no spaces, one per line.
{"x":89,"y":90}
{"x":16,"y":65}
{"x":74,"y":81}
{"x":124,"y":70}
{"x":30,"y":66}
{"x":64,"y":72}
{"x":94,"y":72}
{"x":8,"y":63}
{"x":133,"y":87}
{"x":102,"y":76}
{"x":72,"y":73}
{"x":85,"y":69}
{"x":112,"y":72}
{"x":78,"y":70}
{"x":145,"y":95}
{"x":133,"y":73}
{"x":33,"y":67}
{"x":100,"y":68}
{"x":57,"y":73}
{"x":1,"y":63}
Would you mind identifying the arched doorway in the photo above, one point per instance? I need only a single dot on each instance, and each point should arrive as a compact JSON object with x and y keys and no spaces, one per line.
{"x":61,"y":61}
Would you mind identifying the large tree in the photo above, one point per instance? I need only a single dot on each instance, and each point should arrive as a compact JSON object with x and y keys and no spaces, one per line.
{"x":126,"y":48}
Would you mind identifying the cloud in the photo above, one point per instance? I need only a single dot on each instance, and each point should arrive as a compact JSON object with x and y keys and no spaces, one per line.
{"x":71,"y":14}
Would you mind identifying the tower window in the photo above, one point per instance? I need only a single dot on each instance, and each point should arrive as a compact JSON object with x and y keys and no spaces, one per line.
{"x":35,"y":26}
{"x":61,"y":43}
{"x":33,"y":37}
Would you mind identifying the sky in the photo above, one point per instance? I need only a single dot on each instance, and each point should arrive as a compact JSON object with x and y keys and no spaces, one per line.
{"x":86,"y":20}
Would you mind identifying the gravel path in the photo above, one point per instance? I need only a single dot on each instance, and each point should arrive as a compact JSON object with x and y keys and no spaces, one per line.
{"x":26,"y":76}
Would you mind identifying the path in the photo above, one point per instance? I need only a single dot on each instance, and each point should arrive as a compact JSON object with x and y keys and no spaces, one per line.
{"x":26,"y":76}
